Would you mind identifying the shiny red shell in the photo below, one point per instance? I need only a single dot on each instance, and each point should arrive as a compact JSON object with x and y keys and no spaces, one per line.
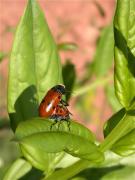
{"x":61,"y":113}
{"x":49,"y":103}
{"x":51,"y":100}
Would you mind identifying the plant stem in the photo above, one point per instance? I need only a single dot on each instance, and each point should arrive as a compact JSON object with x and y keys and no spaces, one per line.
{"x":101,"y":81}
{"x":122,"y":127}
{"x":125,"y":125}
{"x":70,"y":171}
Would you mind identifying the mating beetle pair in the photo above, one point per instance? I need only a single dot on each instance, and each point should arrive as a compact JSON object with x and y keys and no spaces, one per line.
{"x":53,"y":106}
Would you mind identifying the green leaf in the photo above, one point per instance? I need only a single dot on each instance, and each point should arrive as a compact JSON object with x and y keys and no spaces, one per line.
{"x":113,"y":121}
{"x":116,"y":168}
{"x":104,"y":53}
{"x":83,"y":166}
{"x":67,"y":46}
{"x":72,"y":144}
{"x":34,"y":65}
{"x":113,"y":164}
{"x":68,"y":172}
{"x":125,"y":146}
{"x":66,"y":161}
{"x":33,"y":174}
{"x":18,"y":169}
{"x":122,"y":126}
{"x":111,"y":97}
{"x":124,"y":35}
{"x":36,"y":137}
{"x":121,"y":173}
{"x":38,"y":125}
{"x":39,"y":158}
{"x":118,"y":172}
{"x":8,"y":151}
{"x":69,"y":81}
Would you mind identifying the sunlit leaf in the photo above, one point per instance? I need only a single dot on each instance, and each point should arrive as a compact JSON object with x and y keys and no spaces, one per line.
{"x":40,"y":158}
{"x":18,"y":169}
{"x":38,"y":125}
{"x":118,"y":172}
{"x":34,"y":68}
{"x":111,"y":97}
{"x":113,"y":121}
{"x":124,"y":123}
{"x":126,"y":145}
{"x":116,"y":168}
{"x":36,"y":137}
{"x":34,"y":65}
{"x":124,"y":35}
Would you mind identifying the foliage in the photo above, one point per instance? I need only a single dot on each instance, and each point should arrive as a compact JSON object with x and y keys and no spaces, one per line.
{"x":2,"y":55}
{"x":35,"y":67}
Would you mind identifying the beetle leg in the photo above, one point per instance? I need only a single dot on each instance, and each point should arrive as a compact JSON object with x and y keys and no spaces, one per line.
{"x":64,"y":102}
{"x":55,"y":122}
{"x":59,"y":124}
{"x":68,"y":124}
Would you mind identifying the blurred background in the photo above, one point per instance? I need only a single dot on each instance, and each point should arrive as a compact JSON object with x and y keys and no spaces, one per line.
{"x":83,"y":32}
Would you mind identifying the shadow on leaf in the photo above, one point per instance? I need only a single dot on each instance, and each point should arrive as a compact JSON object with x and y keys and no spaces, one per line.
{"x":26,"y":107}
{"x":34,"y":174}
{"x":121,"y":43}
{"x":98,"y":173}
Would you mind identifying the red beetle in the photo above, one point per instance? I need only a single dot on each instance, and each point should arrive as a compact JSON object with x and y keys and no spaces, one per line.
{"x":51,"y":100}
{"x":61,"y":113}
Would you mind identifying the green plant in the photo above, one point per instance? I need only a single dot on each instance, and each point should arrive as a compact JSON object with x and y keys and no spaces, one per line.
{"x":34,"y":68}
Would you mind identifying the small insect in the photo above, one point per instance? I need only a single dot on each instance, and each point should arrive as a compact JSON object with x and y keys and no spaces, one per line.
{"x":54,"y":107}
{"x":61,"y":113}
{"x":51,"y":100}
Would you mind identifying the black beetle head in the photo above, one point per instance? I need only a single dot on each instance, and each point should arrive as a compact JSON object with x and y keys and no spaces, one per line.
{"x":60,"y":88}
